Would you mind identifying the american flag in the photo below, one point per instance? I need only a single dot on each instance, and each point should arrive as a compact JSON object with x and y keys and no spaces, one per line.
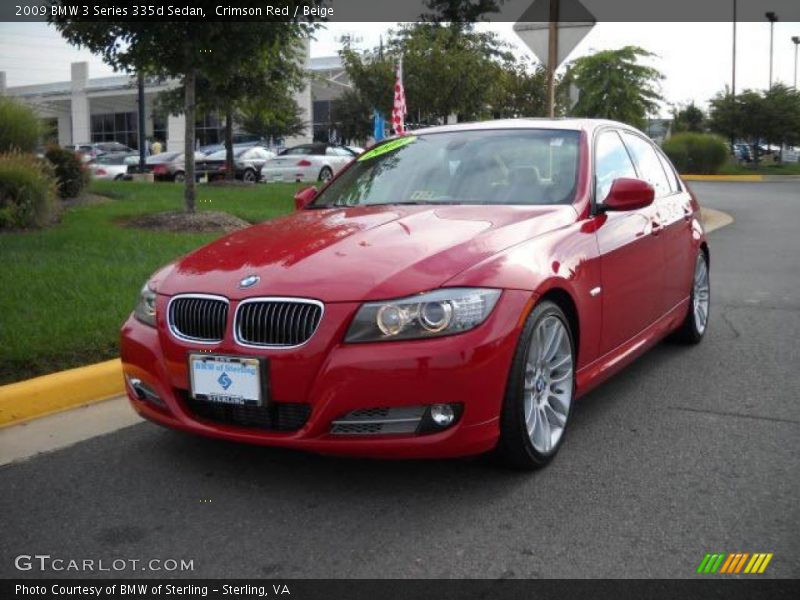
{"x":399,"y":108}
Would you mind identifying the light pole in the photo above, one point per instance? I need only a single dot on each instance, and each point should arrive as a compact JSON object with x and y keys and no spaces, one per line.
{"x":796,"y":40}
{"x":733,"y":62}
{"x":771,"y":17}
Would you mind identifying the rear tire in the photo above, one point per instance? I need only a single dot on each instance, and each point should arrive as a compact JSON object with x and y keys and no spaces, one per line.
{"x":249,"y":176}
{"x":695,"y":325}
{"x":540,"y":390}
{"x":179,"y":177}
{"x":325,"y":175}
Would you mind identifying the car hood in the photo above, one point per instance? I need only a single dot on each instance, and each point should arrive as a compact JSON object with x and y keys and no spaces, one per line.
{"x":357,"y":253}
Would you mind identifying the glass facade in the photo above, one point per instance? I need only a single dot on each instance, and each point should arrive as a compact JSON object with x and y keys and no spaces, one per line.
{"x":209,"y":129}
{"x":119,"y":127}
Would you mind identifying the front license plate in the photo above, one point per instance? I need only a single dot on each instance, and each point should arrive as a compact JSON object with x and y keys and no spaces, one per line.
{"x":226,"y":379}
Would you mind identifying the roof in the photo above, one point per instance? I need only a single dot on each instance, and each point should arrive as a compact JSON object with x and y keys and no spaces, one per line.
{"x":572,"y":124}
{"x":126,"y":81}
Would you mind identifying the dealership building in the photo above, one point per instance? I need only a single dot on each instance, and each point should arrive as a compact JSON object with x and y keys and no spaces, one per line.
{"x":86,"y":109}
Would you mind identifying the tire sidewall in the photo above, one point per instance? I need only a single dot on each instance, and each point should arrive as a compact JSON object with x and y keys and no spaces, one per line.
{"x":513,"y":429}
{"x":693,"y":329}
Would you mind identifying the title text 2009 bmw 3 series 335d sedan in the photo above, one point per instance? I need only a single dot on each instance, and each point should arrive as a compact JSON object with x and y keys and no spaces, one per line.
{"x":451,"y":292}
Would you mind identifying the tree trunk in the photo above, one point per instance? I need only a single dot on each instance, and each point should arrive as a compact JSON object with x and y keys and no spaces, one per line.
{"x":189,"y":112}
{"x":230,"y":173}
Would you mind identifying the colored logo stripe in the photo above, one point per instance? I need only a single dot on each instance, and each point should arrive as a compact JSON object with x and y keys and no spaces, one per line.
{"x":734,"y":562}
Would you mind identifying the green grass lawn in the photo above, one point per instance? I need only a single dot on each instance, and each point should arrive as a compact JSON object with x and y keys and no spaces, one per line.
{"x":65,"y":290}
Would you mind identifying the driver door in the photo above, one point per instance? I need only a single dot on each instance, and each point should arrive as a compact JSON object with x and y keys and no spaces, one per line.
{"x":631,"y":257}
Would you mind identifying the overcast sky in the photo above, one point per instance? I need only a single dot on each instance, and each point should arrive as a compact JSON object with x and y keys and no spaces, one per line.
{"x":694,"y":57}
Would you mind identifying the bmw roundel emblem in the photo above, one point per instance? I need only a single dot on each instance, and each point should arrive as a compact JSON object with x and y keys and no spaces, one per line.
{"x":249,"y":281}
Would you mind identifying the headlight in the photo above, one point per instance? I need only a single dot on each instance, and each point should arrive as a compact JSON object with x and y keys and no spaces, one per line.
{"x":443,"y":312}
{"x":145,"y":309}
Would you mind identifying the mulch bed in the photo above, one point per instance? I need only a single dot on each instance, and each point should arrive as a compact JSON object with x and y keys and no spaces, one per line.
{"x":181,"y":222}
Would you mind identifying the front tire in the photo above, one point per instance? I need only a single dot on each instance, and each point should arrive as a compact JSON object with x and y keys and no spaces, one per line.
{"x":695,"y":325}
{"x":540,"y":390}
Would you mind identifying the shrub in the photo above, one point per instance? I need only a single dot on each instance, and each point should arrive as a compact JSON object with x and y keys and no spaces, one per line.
{"x":696,"y":153}
{"x":71,"y":173}
{"x":27,"y":191}
{"x":20,"y":128}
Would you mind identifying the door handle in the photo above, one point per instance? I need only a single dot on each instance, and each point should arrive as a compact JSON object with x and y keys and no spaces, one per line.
{"x":655,"y":226}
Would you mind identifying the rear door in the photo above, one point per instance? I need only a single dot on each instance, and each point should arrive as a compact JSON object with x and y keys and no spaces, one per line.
{"x":631,"y":258}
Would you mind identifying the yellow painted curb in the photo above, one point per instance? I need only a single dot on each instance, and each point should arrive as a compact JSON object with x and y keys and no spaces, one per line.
{"x":722,"y":177}
{"x":48,"y":394}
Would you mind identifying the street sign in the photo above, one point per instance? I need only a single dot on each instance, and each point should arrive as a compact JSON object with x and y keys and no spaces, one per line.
{"x":574,"y":21}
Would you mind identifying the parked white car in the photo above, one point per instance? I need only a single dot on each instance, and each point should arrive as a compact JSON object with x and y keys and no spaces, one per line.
{"x":308,"y":162}
{"x":111,"y":166}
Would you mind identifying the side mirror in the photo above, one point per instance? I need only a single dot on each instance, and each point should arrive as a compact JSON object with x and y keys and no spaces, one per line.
{"x":629,"y":194}
{"x":304,"y":197}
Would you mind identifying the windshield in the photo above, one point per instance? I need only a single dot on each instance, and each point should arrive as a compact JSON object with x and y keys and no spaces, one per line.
{"x":515,"y":166}
{"x":221,"y":154}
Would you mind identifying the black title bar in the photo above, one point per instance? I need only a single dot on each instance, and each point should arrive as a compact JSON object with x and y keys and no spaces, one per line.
{"x":393,"y":10}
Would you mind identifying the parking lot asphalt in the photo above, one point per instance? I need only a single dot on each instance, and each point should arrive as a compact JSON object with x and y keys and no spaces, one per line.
{"x":688,"y":451}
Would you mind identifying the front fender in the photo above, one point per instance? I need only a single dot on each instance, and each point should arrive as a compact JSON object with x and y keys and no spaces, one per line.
{"x":566,"y":260}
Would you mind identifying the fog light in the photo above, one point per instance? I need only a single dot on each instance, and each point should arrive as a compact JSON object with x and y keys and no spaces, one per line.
{"x":144,"y":392}
{"x":442,"y":414}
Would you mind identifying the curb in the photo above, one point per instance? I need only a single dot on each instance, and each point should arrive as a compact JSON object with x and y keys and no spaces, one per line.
{"x":722,"y":177}
{"x":40,"y":396}
{"x":714,"y":219}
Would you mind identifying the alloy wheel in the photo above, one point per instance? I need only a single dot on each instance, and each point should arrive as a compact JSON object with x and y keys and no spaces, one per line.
{"x":701,"y":295}
{"x":548,"y":383}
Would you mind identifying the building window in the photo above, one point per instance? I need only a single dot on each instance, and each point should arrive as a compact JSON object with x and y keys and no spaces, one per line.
{"x":208,"y":129}
{"x":322,"y":128}
{"x":160,"y":128}
{"x":116,"y":127}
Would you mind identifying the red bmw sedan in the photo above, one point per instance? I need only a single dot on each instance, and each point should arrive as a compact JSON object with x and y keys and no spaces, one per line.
{"x":451,"y":292}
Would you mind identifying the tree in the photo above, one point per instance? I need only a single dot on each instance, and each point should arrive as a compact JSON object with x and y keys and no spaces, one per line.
{"x":182,"y":50}
{"x":688,"y":118}
{"x":352,"y":117}
{"x":613,"y":85}
{"x":724,"y":115}
{"x":460,"y":14}
{"x":754,"y":116}
{"x":521,"y":91}
{"x":782,"y":115}
{"x":273,"y":118}
{"x":739,"y":117}
{"x":446,"y":71}
{"x":261,"y":86}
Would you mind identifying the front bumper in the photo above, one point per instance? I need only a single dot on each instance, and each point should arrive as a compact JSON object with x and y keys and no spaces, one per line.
{"x":333,"y":379}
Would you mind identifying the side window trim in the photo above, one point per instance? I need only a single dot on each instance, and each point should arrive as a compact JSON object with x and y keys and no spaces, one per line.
{"x":667,"y":165}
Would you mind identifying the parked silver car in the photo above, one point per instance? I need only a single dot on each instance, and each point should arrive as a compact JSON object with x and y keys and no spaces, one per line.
{"x":112,"y":166}
{"x":308,"y":162}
